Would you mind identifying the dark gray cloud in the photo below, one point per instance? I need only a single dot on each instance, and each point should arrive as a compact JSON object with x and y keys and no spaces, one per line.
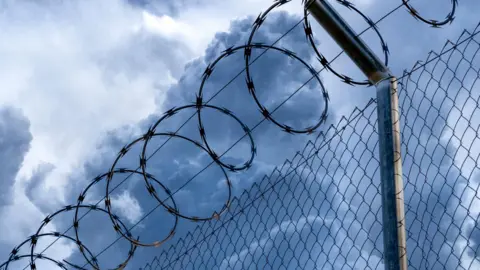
{"x":35,"y":189}
{"x":15,"y":141}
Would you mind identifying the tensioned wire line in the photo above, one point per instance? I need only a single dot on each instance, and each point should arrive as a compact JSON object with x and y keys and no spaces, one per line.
{"x":216,"y":94}
{"x":258,"y":124}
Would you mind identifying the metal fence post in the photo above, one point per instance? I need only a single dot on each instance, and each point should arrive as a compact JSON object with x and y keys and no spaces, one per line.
{"x":394,"y":235}
{"x":388,"y":129}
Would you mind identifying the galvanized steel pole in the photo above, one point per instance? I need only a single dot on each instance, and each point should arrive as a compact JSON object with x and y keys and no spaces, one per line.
{"x":394,"y":235}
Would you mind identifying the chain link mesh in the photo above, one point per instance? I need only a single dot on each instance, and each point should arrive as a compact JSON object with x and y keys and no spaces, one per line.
{"x":322,"y":208}
{"x":441,"y":146}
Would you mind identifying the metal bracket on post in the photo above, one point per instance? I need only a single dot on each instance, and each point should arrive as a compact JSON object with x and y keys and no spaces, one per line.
{"x":394,"y":236}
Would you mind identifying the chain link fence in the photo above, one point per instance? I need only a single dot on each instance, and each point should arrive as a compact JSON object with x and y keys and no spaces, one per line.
{"x":322,"y":208}
{"x":441,"y":147}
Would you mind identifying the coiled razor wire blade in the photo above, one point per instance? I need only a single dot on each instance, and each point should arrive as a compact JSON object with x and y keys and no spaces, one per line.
{"x":198,"y":105}
{"x":433,"y":22}
{"x":321,"y":58}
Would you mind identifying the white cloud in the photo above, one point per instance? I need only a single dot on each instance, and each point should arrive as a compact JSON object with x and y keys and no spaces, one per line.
{"x":55,"y":68}
{"x":461,"y":133}
{"x":265,"y":244}
{"x":21,"y":219}
{"x":196,"y":25}
{"x":68,"y":66}
{"x":127,"y":206}
{"x":471,"y":202}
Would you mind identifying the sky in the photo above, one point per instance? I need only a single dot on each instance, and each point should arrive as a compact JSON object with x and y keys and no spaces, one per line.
{"x":81,"y":79}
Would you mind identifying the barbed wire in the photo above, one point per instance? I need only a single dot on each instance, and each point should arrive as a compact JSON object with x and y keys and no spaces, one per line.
{"x":198,"y":106}
{"x":313,"y":76}
{"x":169,"y":112}
{"x":323,"y":60}
{"x":181,"y":126}
{"x":434,"y":23}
